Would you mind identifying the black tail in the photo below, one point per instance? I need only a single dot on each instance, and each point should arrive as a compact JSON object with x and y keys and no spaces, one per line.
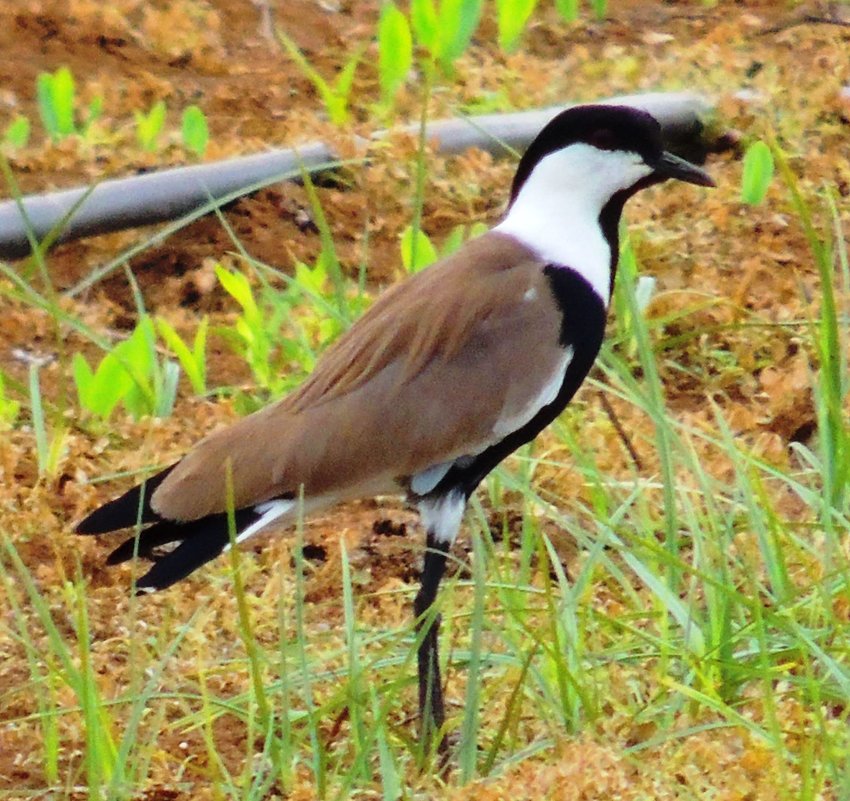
{"x":133,"y":507}
{"x":199,"y":541}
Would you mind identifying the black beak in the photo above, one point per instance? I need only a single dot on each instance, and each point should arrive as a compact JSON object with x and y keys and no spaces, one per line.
{"x":670,"y":166}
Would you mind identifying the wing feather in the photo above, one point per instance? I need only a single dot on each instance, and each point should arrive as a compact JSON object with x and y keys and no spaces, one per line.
{"x":423,"y":377}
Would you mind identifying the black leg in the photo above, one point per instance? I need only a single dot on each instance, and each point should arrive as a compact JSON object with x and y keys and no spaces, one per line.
{"x":431,"y":709}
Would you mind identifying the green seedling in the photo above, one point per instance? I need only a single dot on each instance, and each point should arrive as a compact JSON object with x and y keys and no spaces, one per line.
{"x":251,"y":336}
{"x":757,"y":173}
{"x":568,"y":9}
{"x":131,"y":374}
{"x":445,"y":29}
{"x":460,"y":234}
{"x":423,"y":22}
{"x":195,"y":131}
{"x":599,"y":8}
{"x":56,"y":101}
{"x":458,"y":22}
{"x":328,"y":258}
{"x":512,"y":18}
{"x":194,"y":360}
{"x":149,"y":127}
{"x":395,"y":52}
{"x":256,"y":335}
{"x":9,"y":408}
{"x":17,"y":133}
{"x":418,"y":251}
{"x":49,"y":448}
{"x":335,"y":96}
{"x":280,"y":333}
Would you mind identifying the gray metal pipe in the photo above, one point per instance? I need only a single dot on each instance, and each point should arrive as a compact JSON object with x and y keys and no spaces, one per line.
{"x":120,"y":203}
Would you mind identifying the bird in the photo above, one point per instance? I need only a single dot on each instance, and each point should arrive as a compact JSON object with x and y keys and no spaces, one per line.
{"x":447,"y":373}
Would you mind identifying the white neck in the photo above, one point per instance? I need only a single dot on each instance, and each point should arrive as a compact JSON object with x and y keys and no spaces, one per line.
{"x":556,"y":213}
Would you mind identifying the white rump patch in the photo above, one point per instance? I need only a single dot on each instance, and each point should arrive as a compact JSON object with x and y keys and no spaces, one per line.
{"x":422,"y":483}
{"x":425,"y":481}
{"x":442,"y":516}
{"x":269,"y":511}
{"x":556,"y":213}
{"x":507,"y":425}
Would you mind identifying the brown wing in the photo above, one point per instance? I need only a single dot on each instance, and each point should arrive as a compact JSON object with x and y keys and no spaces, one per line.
{"x":426,"y":375}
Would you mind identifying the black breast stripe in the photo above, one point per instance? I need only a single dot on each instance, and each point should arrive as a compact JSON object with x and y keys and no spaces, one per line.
{"x":582,"y":328}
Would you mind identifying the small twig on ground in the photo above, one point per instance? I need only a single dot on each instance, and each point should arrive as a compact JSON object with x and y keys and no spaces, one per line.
{"x":621,"y":432}
{"x":834,"y":18}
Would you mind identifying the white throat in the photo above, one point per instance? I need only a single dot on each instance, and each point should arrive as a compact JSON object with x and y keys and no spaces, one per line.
{"x":556,"y":213}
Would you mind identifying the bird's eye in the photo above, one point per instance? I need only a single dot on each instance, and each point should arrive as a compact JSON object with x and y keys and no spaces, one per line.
{"x":603,"y":139}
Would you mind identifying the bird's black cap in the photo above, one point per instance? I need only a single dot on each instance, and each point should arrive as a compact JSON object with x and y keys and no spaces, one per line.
{"x":609,"y":128}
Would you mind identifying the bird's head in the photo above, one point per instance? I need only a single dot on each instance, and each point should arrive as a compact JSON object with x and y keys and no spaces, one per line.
{"x":594,"y":153}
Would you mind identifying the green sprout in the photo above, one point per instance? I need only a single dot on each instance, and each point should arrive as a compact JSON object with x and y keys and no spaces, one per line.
{"x":131,"y":373}
{"x":149,"y":126}
{"x":445,"y":30}
{"x":395,"y":51}
{"x":192,"y":360}
{"x":9,"y":408}
{"x":56,"y":101}
{"x":512,"y":18}
{"x":757,"y":173}
{"x":568,"y":9}
{"x":195,"y":131}
{"x":600,"y":8}
{"x":418,"y":251}
{"x":335,"y":96}
{"x":17,"y":133}
{"x":49,"y":445}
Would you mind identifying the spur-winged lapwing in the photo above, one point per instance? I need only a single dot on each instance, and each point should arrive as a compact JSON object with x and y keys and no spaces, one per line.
{"x":445,"y":375}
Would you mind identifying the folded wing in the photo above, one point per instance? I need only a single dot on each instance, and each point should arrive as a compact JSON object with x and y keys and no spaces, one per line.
{"x":441,"y":366}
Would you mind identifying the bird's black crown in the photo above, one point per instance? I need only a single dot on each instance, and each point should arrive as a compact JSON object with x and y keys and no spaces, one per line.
{"x":604,"y":127}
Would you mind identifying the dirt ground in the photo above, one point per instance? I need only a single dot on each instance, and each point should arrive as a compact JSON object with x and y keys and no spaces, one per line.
{"x":767,"y":66}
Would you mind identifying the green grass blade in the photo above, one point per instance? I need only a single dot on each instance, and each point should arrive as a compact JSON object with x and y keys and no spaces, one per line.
{"x":395,"y":51}
{"x":469,"y":733}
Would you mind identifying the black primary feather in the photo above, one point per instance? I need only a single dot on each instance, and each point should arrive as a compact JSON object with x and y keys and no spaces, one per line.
{"x":123,"y":512}
{"x":201,"y":541}
{"x":162,"y":533}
